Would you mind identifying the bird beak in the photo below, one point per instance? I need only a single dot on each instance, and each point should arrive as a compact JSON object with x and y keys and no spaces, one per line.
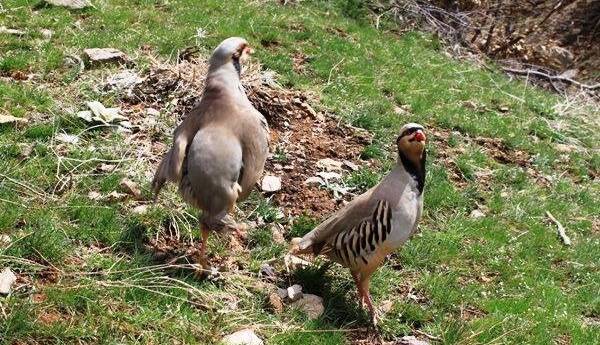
{"x":420,"y":136}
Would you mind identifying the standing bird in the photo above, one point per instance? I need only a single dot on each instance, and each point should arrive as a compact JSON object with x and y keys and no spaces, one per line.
{"x":376,"y":223}
{"x":220,"y":148}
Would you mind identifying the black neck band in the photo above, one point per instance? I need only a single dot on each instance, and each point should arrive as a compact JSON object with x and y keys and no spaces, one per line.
{"x":416,"y":171}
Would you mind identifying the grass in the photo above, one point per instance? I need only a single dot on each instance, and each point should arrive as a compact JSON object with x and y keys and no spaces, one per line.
{"x":502,"y":278}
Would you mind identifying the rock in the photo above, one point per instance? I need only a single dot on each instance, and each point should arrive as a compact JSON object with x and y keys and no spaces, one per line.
{"x":271,"y":184}
{"x":93,"y":195}
{"x":267,"y":272}
{"x":294,"y":292}
{"x":140,"y":209}
{"x":314,"y":180}
{"x":101,"y":55}
{"x":475,"y":214}
{"x":72,"y":4}
{"x":152,"y":112}
{"x":130,"y":187}
{"x":123,"y":80}
{"x":47,"y":33}
{"x":293,"y":262}
{"x":67,"y":138}
{"x":243,"y":337}
{"x":312,"y":305}
{"x":565,"y":148}
{"x":282,"y":293}
{"x":277,"y":234}
{"x":329,"y":164}
{"x":11,"y":119}
{"x":4,"y":240}
{"x":7,"y":279}
{"x":116,"y":196}
{"x":351,"y":165}
{"x":5,"y":30}
{"x":412,"y":340}
{"x":329,"y":175}
{"x":106,"y":168}
{"x":276,"y":303}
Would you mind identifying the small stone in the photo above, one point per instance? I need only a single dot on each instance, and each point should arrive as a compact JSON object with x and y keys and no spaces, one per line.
{"x":351,"y":165}
{"x":67,"y":138}
{"x":72,"y":4}
{"x":267,"y":272}
{"x":329,"y":175}
{"x":565,"y":148}
{"x":7,"y":279}
{"x":412,"y":340}
{"x":130,"y":187}
{"x":312,"y":305}
{"x":276,"y":303}
{"x":116,"y":196}
{"x":106,"y":168}
{"x":4,"y":240}
{"x":140,"y":209}
{"x":329,"y":164}
{"x":5,"y":30}
{"x":46,"y":33}
{"x":123,"y":80}
{"x":294,"y":292}
{"x":314,"y":180}
{"x":152,"y":112}
{"x":282,"y":293}
{"x":100,"y":55}
{"x":271,"y":184}
{"x":476,"y":214}
{"x":93,"y":195}
{"x":277,"y":234}
{"x":243,"y":337}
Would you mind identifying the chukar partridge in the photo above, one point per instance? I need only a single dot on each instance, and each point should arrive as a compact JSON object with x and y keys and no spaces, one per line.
{"x":220,"y":148}
{"x":376,"y":223}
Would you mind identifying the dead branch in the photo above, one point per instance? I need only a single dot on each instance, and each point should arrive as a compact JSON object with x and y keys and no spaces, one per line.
{"x":561,"y":230}
{"x":551,"y":77}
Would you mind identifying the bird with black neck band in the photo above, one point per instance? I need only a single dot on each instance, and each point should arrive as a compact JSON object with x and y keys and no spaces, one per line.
{"x":378,"y":222}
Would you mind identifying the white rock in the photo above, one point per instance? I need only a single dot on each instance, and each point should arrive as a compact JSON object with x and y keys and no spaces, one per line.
{"x":47,"y":33}
{"x":329,"y":175}
{"x":351,"y":165}
{"x":312,"y":305}
{"x":93,"y":195}
{"x":7,"y":279}
{"x":124,"y":80}
{"x":104,"y":54}
{"x":271,"y":183}
{"x":152,"y":112}
{"x":411,"y":340}
{"x":67,"y":138}
{"x":477,"y":214}
{"x":73,"y":4}
{"x":314,"y":180}
{"x":140,"y":209}
{"x":9,"y":119}
{"x":5,"y":30}
{"x":294,"y":292}
{"x":243,"y":337}
{"x":293,"y":262}
{"x":329,"y":164}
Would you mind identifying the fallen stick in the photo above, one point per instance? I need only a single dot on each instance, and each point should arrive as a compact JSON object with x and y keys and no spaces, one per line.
{"x":561,"y":230}
{"x":551,"y":77}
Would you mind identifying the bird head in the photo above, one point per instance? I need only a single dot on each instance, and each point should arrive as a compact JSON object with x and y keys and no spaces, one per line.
{"x":233,"y":50}
{"x":411,"y":141}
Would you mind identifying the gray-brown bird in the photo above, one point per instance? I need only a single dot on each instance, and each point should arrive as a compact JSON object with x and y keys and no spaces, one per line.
{"x":376,"y":223}
{"x":220,"y":148}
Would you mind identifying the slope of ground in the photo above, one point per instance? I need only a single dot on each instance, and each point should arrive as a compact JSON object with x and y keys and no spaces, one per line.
{"x":97,"y":265}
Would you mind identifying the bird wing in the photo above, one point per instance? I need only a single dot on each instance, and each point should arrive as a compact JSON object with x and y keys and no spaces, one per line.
{"x":358,"y":210}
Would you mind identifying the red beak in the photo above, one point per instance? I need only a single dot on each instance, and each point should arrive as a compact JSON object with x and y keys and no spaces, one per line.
{"x":420,"y":136}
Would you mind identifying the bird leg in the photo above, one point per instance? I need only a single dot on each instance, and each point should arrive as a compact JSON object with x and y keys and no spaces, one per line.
{"x":361,"y":297}
{"x":363,"y":288}
{"x":202,"y":256}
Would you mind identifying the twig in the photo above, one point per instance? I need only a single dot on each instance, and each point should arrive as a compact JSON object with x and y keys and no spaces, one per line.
{"x":551,"y":77}
{"x":561,"y":230}
{"x":332,"y":68}
{"x":427,"y":335}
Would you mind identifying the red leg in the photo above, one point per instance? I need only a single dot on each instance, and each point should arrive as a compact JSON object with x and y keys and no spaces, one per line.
{"x":203,"y":261}
{"x":361,"y":296}
{"x":364,"y":286}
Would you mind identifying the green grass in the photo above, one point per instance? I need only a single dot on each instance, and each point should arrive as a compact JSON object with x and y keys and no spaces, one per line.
{"x":502,"y":278}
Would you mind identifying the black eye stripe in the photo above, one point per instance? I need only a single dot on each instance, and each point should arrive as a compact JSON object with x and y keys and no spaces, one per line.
{"x":410,"y":131}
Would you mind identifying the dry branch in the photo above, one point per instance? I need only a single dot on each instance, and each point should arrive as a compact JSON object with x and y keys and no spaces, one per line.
{"x":561,"y":230}
{"x":551,"y":77}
